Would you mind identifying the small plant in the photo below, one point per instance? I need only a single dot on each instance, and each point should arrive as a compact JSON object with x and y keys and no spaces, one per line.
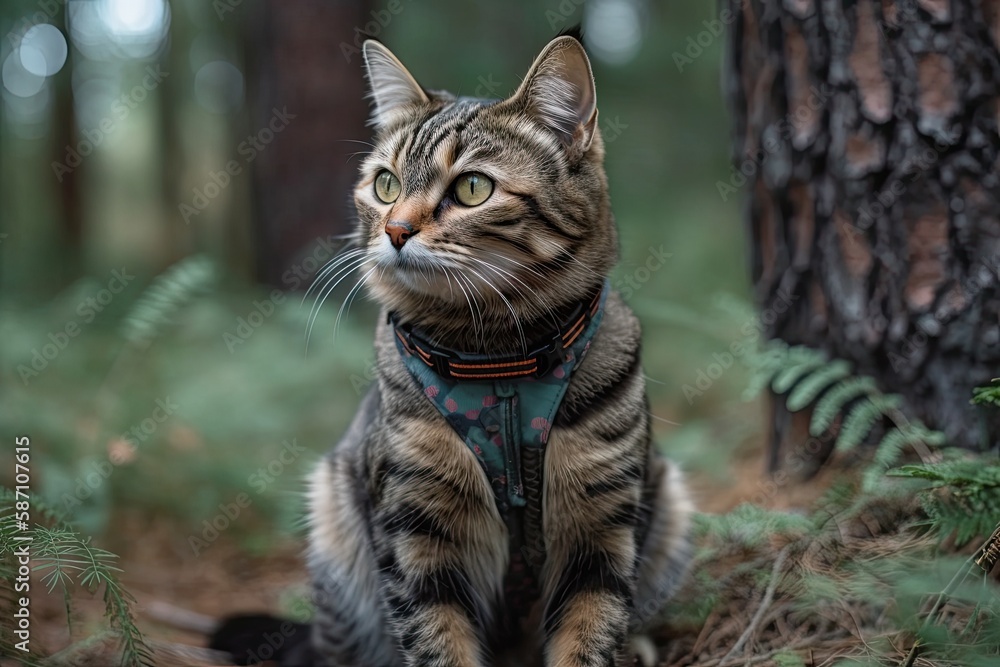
{"x":68,"y":561}
{"x":868,"y":575}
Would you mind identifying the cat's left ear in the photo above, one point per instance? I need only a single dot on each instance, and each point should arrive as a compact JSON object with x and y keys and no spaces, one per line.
{"x":559,"y":91}
{"x":392,"y":86}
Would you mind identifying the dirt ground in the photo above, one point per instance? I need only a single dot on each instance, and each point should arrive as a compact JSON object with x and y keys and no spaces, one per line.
{"x":176,"y":592}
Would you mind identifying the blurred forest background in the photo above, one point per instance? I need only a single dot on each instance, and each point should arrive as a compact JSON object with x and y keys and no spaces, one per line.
{"x":174,"y":174}
{"x":119,"y":119}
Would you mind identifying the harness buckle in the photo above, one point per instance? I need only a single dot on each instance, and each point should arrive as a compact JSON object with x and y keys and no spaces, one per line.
{"x":440,"y":360}
{"x":548,"y":356}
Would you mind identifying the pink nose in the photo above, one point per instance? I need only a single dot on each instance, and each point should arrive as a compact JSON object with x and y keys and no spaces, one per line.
{"x":399,"y":232}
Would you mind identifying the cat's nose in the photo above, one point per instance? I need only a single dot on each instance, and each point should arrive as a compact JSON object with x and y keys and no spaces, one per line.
{"x":399,"y":231}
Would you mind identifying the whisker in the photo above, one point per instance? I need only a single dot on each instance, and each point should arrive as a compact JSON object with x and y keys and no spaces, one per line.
{"x":356,"y":141}
{"x":350,"y":297}
{"x":571,"y":257}
{"x":514,"y":261}
{"x":517,"y":322}
{"x":330,"y":266}
{"x":473,"y":303}
{"x":325,"y":293}
{"x":502,"y":273}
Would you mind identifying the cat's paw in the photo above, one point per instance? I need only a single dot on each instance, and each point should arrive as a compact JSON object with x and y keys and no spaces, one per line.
{"x":644,"y":650}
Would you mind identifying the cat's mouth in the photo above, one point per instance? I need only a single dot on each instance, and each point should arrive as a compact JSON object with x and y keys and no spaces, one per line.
{"x":424,"y":275}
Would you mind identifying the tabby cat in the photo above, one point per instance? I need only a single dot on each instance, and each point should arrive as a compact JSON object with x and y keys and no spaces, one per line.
{"x":487,"y":237}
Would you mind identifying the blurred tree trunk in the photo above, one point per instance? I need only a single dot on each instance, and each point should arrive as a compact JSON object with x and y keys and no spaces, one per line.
{"x":65,"y":135}
{"x":310,"y":69}
{"x":867,"y":132}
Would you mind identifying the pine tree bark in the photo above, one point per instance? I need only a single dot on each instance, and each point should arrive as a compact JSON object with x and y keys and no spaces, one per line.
{"x":867,"y":136}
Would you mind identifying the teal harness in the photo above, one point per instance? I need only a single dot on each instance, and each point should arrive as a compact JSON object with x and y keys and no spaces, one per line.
{"x":503,"y":408}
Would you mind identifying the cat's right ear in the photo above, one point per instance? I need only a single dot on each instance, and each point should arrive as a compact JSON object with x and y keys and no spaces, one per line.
{"x":392,"y":86}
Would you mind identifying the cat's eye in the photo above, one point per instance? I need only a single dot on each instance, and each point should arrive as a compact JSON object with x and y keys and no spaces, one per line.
{"x":473,"y":188}
{"x":386,"y":186}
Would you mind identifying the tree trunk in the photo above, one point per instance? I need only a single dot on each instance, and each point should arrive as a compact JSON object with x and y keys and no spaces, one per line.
{"x":868,"y":136}
{"x":308,"y":65}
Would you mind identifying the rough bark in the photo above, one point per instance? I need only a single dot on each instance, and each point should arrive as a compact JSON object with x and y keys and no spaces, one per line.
{"x":307,"y":64}
{"x":868,"y":131}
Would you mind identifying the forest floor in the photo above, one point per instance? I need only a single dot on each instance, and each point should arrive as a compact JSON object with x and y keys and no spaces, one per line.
{"x":173,"y":588}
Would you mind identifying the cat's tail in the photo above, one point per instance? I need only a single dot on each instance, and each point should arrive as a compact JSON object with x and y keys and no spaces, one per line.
{"x":251,"y":639}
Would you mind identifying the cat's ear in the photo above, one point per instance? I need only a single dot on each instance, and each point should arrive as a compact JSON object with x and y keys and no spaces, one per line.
{"x":559,"y":91}
{"x":392,"y":86}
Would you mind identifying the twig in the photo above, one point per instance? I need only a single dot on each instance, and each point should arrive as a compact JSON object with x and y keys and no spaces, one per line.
{"x":943,"y":596}
{"x":809,"y":643}
{"x":181,"y":619}
{"x":765,"y":602}
{"x":104,"y":649}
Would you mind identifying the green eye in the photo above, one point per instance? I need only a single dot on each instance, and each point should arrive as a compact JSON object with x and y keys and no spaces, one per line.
{"x":473,"y":189}
{"x":386,"y":186}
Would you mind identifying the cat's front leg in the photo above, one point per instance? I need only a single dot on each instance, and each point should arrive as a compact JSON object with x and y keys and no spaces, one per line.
{"x":590,"y":572}
{"x":441,"y":554}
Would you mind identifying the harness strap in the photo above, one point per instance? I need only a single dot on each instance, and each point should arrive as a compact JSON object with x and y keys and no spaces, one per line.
{"x":538,"y":363}
{"x":503,"y":409}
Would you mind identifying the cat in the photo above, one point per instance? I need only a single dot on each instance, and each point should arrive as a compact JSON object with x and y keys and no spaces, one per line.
{"x":497,"y":498}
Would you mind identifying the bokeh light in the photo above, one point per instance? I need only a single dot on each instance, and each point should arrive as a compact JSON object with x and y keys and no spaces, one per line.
{"x":218,"y":86}
{"x":43,"y":50}
{"x":614,"y":29}
{"x":17,"y":80}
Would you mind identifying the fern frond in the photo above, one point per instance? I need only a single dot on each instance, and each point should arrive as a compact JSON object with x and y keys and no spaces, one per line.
{"x":806,"y":391}
{"x":788,"y":377}
{"x":165,"y":296}
{"x":862,"y":418}
{"x":890,"y":449}
{"x":834,"y":401}
{"x":988,"y":395}
{"x":764,"y":364}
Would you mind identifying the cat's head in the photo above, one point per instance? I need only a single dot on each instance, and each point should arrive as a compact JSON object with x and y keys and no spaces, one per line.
{"x":474,"y":209}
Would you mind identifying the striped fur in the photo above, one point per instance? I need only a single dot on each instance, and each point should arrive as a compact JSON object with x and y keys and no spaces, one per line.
{"x":408,"y":550}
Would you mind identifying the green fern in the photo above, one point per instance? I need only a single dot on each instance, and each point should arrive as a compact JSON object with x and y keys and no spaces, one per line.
{"x":862,"y":418}
{"x":890,"y":449}
{"x":751,"y":525}
{"x":764,"y":364}
{"x":833,"y":402}
{"x":808,"y":390}
{"x":965,"y":501}
{"x":165,"y":296}
{"x":788,"y":377}
{"x":988,"y":395}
